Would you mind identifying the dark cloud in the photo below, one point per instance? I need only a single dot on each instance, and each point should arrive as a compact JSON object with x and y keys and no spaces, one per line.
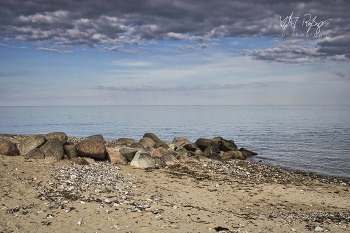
{"x":51,"y":50}
{"x":114,"y":23}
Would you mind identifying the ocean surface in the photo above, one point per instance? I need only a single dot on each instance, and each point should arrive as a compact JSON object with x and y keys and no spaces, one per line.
{"x":309,"y":138}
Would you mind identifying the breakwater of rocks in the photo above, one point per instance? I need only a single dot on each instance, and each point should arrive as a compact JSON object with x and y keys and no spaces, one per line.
{"x":148,"y":152}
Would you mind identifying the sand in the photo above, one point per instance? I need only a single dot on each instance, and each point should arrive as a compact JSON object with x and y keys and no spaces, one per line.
{"x":236,"y":196}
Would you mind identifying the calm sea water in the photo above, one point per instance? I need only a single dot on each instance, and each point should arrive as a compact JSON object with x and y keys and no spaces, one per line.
{"x":309,"y":138}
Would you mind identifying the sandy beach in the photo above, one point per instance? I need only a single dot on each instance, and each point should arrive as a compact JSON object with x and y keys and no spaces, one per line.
{"x":234,"y":196}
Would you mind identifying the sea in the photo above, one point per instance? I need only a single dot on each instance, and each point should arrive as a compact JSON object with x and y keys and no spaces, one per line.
{"x":308,"y":138}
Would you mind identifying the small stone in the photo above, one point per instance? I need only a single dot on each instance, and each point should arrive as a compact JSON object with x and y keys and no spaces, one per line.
{"x":318,"y":228}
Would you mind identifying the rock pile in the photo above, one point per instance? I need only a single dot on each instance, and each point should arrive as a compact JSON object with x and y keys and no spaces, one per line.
{"x":147,"y":152}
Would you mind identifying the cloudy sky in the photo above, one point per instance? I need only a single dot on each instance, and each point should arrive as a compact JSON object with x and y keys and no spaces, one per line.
{"x":88,"y":52}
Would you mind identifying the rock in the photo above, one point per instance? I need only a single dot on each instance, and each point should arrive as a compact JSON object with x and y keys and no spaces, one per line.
{"x":225,"y":145}
{"x":80,"y":161}
{"x":185,"y":143}
{"x":232,"y":155}
{"x":128,"y":153}
{"x":60,"y":135}
{"x":53,"y":148}
{"x":203,"y":143}
{"x":211,"y":149}
{"x":157,"y":141}
{"x":8,"y":148}
{"x":142,"y":159}
{"x":91,"y":149}
{"x":115,"y":157}
{"x":154,"y":152}
{"x":30,"y":143}
{"x":182,"y":152}
{"x":169,"y":159}
{"x":136,"y":145}
{"x":70,"y":151}
{"x":201,"y":158}
{"x":215,"y":156}
{"x":198,"y":152}
{"x":147,"y":142}
{"x":35,"y":153}
{"x":97,"y":137}
{"x":246,"y":152}
{"x":124,"y":142}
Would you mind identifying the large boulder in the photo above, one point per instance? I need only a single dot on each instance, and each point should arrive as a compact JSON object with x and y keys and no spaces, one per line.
{"x":92,"y":149}
{"x":128,"y":153}
{"x":30,"y":143}
{"x":97,"y":137}
{"x":147,"y":142}
{"x":142,"y":159}
{"x":154,"y":152}
{"x":168,"y":158}
{"x":211,"y":150}
{"x":157,"y":141}
{"x":203,"y":143}
{"x":53,"y":148}
{"x":185,"y":143}
{"x":8,"y":148}
{"x":124,"y":142}
{"x":115,"y":157}
{"x":60,"y":135}
{"x":70,"y":151}
{"x":35,"y":153}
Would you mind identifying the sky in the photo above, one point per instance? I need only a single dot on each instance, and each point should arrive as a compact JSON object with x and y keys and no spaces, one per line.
{"x":174,"y":52}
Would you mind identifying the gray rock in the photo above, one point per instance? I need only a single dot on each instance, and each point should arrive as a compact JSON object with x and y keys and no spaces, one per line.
{"x":142,"y":159}
{"x":8,"y":148}
{"x":53,"y":148}
{"x":60,"y":135}
{"x":35,"y":153}
{"x":128,"y":153}
{"x":136,"y":145}
{"x":70,"y":151}
{"x":91,"y":149}
{"x":203,"y":143}
{"x":211,"y":150}
{"x":157,"y":141}
{"x":227,"y":145}
{"x":97,"y":137}
{"x":30,"y":143}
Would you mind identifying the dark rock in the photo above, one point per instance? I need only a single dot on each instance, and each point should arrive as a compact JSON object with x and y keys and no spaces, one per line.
{"x":35,"y":153}
{"x":91,"y":149}
{"x":232,"y":155}
{"x":70,"y":151}
{"x":97,"y":137}
{"x":30,"y":143}
{"x":211,"y":149}
{"x":203,"y":143}
{"x":147,"y":142}
{"x":60,"y":135}
{"x":8,"y":148}
{"x":53,"y":148}
{"x":128,"y":153}
{"x":157,"y":141}
{"x":143,"y":159}
{"x":124,"y":142}
{"x":227,"y":145}
{"x":115,"y":157}
{"x":246,"y":152}
{"x":215,"y":156}
{"x":182,"y":152}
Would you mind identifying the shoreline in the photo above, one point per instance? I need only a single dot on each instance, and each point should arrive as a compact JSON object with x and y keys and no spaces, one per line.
{"x":211,"y":196}
{"x":111,"y":143}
